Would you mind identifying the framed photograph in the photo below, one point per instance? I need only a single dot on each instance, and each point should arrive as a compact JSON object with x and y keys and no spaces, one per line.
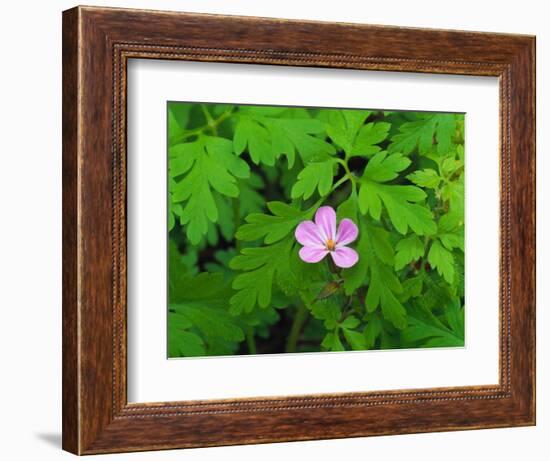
{"x":281,"y":230}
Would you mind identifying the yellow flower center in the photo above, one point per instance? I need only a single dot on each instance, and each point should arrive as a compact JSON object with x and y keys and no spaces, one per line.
{"x":331,"y":246}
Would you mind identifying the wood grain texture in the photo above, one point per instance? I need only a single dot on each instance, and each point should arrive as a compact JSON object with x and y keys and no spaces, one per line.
{"x":97,"y":43}
{"x":70,"y":384}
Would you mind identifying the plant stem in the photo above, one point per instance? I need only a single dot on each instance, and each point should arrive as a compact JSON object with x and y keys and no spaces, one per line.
{"x":341,"y":181}
{"x":212,"y":126}
{"x":349,"y":174}
{"x":334,"y":269}
{"x":348,"y":310}
{"x":300,"y":319}
{"x":211,"y":123}
{"x":250,"y":342}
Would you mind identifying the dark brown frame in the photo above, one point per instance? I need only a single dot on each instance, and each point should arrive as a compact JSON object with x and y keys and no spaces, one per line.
{"x":97,"y":43}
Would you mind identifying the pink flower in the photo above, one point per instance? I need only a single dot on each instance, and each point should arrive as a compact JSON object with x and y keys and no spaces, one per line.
{"x":320,"y":238}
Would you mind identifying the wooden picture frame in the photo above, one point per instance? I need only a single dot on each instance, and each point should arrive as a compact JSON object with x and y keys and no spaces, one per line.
{"x":97,"y":43}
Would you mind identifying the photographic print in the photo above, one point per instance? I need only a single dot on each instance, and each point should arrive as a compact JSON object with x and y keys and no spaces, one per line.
{"x":309,"y":229}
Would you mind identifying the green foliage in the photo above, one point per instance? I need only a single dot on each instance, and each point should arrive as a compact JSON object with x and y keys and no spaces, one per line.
{"x":315,"y":175}
{"x":425,"y":178}
{"x":431,"y":331}
{"x":408,"y":250}
{"x":376,"y":264}
{"x":401,"y":202}
{"x":422,"y":132}
{"x":272,"y":227}
{"x":206,"y":164}
{"x":343,"y":127}
{"x":198,"y":314}
{"x":241,"y":179}
{"x":269,"y":132}
{"x":442,"y":259}
{"x":262,"y":267}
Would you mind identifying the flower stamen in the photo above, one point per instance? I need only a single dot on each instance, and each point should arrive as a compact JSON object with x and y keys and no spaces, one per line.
{"x":331,"y":246}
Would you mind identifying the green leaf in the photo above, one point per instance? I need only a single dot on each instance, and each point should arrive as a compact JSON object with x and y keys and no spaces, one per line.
{"x":182,"y":342}
{"x":212,"y":322}
{"x":181,"y":159}
{"x":343,"y":126}
{"x":250,"y":200}
{"x":348,"y":208}
{"x":446,"y":126}
{"x":174,"y":211}
{"x":349,"y":322}
{"x":383,"y":167}
{"x":226,"y":223}
{"x":452,"y":240}
{"x":212,"y":167}
{"x":425,"y":178}
{"x":379,"y":239}
{"x":451,"y":231}
{"x":316,"y":175}
{"x":426,"y":330}
{"x":355,"y":339}
{"x":249,"y":132}
{"x":261,"y":266}
{"x":272,"y":228}
{"x":383,"y":287}
{"x":304,"y":280}
{"x":442,"y":259}
{"x":401,"y":202}
{"x":269,"y":134}
{"x":355,"y":276}
{"x":407,"y":250}
{"x":327,"y":310}
{"x":375,"y":261}
{"x":453,"y":192}
{"x":437,"y":292}
{"x":332,"y":342}
{"x":177,"y":267}
{"x":199,"y":302}
{"x":372,"y":330}
{"x":301,"y":136}
{"x":178,"y":118}
{"x":424,"y":132}
{"x":373,"y":248}
{"x":368,"y":137}
{"x":412,"y":288}
{"x":454,"y":316}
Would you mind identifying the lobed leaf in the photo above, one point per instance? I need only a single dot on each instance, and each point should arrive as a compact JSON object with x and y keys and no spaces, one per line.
{"x":425,"y":178}
{"x":343,"y":126}
{"x":427,"y":330}
{"x":407,"y":250}
{"x":375,"y":263}
{"x":210,"y":166}
{"x":272,"y":228}
{"x":423,"y":133}
{"x":268,"y":134}
{"x":316,"y":175}
{"x":260,"y":267}
{"x":442,"y":259}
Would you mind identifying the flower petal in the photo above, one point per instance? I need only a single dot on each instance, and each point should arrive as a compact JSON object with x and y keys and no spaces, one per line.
{"x":325,"y":218}
{"x":312,"y":255}
{"x":347,"y":232}
{"x":344,"y":257}
{"x":308,"y":235}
